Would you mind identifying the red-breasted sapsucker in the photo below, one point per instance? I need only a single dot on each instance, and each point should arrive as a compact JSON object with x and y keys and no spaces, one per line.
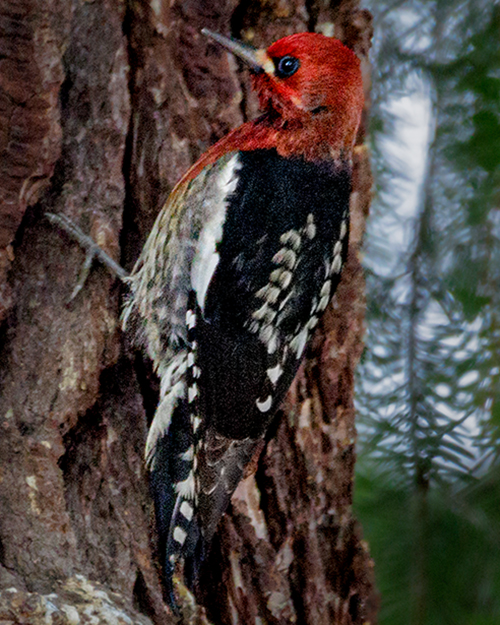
{"x":241,"y":263}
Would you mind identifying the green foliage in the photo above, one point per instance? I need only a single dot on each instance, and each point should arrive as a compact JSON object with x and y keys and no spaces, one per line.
{"x":428,"y":485}
{"x":461,"y":546}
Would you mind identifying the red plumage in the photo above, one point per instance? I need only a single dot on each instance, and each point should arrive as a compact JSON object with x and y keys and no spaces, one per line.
{"x":329,"y":76}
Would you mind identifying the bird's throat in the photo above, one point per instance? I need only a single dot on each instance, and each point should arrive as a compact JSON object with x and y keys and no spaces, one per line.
{"x":315,"y":140}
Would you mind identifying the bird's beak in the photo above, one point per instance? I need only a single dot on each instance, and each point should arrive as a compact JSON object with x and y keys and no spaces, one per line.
{"x":256,"y":59}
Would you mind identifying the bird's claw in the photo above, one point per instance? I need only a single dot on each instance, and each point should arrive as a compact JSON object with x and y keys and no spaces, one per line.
{"x":92,"y":252}
{"x":84,"y":273}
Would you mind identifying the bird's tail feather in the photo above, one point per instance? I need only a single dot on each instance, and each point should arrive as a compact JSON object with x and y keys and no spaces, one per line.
{"x":172,"y":482}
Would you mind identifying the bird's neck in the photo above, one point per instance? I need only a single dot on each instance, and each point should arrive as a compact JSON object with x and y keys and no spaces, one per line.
{"x":314,"y":139}
{"x":322,"y":139}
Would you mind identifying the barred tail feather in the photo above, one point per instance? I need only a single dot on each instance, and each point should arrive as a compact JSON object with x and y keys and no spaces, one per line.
{"x":172,"y":483}
{"x":164,"y":499}
{"x":171,"y":452}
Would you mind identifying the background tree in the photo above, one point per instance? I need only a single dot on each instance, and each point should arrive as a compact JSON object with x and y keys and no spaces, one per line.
{"x":103,"y":105}
{"x":428,"y":481}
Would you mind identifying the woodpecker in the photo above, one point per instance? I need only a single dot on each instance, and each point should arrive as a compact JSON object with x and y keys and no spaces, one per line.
{"x":239,"y":267}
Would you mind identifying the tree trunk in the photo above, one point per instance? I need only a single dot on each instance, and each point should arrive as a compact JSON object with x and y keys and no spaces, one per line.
{"x":103,"y":105}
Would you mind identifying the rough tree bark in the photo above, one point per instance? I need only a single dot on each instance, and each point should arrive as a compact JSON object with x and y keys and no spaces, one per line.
{"x":103,"y":105}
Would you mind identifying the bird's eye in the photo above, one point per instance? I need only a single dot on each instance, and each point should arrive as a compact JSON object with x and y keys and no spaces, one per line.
{"x":287,"y":66}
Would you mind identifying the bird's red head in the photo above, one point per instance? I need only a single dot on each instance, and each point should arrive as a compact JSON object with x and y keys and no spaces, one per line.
{"x":310,"y":90}
{"x":310,"y":73}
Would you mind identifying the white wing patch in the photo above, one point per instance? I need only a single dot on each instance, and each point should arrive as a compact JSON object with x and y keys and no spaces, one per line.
{"x":179,"y":535}
{"x":275,"y":373}
{"x":298,"y":343}
{"x":264,"y":406}
{"x":206,"y":256}
{"x":186,"y":510}
{"x":186,"y":488}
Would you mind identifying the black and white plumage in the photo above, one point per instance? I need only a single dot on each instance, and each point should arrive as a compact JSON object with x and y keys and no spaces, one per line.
{"x":240,"y":265}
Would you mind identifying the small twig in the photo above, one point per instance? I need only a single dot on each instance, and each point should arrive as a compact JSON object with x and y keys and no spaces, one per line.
{"x":92,"y":251}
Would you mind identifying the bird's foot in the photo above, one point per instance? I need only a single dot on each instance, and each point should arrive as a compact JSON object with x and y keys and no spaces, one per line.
{"x":92,"y":252}
{"x":187,"y":607}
